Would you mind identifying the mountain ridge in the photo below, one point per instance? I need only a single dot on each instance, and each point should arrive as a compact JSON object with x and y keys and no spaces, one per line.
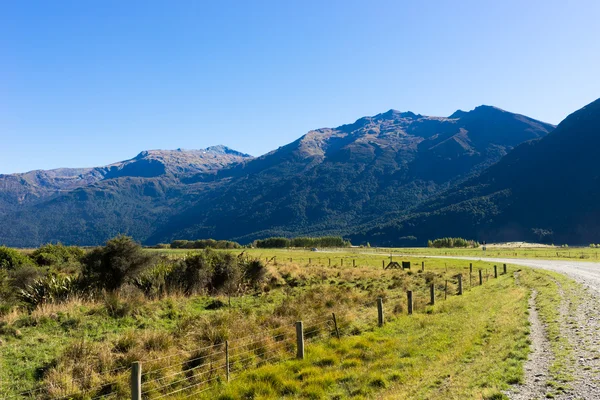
{"x":330,"y":180}
{"x":544,"y":191}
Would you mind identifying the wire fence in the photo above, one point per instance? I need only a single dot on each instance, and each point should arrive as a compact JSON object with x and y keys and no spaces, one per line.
{"x":188,"y":373}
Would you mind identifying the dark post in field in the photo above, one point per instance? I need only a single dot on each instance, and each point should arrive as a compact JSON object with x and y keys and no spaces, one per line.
{"x":470,"y":268}
{"x":227,"y":359}
{"x":341,"y":262}
{"x":409,"y":298}
{"x":446,"y":290}
{"x":480,"y":277}
{"x":432,"y":294}
{"x":423,"y":266}
{"x":380,"y":311}
{"x":504,"y":269}
{"x":495,"y":271}
{"x":383,"y":264}
{"x":300,"y":340}
{"x":460,"y":288}
{"x":309,"y":261}
{"x":353,"y":262}
{"x":337,"y":331}
{"x":329,"y":262}
{"x":136,"y":381}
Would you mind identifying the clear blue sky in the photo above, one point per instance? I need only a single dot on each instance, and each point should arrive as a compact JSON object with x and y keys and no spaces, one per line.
{"x":87,"y":83}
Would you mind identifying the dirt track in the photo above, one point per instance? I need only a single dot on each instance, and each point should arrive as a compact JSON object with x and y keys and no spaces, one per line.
{"x":581,"y":327}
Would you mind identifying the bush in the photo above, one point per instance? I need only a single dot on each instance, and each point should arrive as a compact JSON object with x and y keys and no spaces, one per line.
{"x":214,"y":272}
{"x":255,"y":272}
{"x":49,"y":290}
{"x":192,"y":274}
{"x":118,"y":262}
{"x":11,"y":259}
{"x":57,"y":254}
{"x":24,"y":276}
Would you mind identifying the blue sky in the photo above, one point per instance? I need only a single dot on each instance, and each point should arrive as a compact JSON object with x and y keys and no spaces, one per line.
{"x":87,"y":83}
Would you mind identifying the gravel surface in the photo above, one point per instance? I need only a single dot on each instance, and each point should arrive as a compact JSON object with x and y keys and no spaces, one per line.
{"x":579,"y":323}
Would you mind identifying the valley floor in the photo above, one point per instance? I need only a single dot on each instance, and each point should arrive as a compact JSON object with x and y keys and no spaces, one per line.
{"x":530,"y":333}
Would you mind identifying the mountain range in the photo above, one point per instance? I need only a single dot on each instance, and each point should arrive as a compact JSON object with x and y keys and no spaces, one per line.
{"x":546,"y":190}
{"x":393,"y":178}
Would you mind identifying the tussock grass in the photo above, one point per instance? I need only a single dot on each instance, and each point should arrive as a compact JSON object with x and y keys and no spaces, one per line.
{"x":465,"y":347}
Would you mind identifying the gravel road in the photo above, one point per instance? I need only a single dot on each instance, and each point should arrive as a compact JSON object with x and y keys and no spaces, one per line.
{"x":580,"y":324}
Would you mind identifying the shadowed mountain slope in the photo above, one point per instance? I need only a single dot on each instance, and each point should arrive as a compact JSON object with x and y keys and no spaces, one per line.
{"x":546,"y":190}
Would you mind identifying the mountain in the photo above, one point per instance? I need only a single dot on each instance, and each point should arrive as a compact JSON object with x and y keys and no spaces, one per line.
{"x":546,"y":190}
{"x":331,"y":180}
{"x":30,"y":187}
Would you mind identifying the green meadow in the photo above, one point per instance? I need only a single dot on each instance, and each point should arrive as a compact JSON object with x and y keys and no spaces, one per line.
{"x":468,"y":346}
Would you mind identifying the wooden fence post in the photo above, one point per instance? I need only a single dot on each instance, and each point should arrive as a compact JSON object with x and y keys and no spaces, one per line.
{"x":380,"y":311}
{"x":460,"y":288}
{"x":353,"y":262}
{"x":329,"y":262}
{"x":495,"y":271}
{"x":423,"y":266}
{"x":480,"y":278}
{"x":337,"y":332}
{"x":446,"y":290}
{"x":409,"y":298}
{"x":470,"y":268}
{"x":300,"y":340}
{"x":432,"y":294}
{"x":136,"y":380}
{"x":309,"y":261}
{"x":227,"y":359}
{"x":504,"y":269}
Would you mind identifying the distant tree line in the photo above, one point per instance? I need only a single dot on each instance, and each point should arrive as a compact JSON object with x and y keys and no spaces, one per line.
{"x":281,"y":242}
{"x":204,"y":244}
{"x":450,"y":242}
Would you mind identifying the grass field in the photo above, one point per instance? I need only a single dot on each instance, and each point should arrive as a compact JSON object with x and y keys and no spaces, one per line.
{"x":549,"y":253}
{"x":470,"y":346}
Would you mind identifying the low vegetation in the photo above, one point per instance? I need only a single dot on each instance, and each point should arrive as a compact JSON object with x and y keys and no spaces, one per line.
{"x":301,"y":242}
{"x":449,"y":243}
{"x":76,"y":328}
{"x":204,"y":244}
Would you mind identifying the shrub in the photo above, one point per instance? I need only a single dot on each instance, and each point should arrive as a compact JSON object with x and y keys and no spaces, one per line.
{"x":49,"y":290}
{"x":153,"y":281}
{"x":24,"y":276}
{"x":255,"y":272}
{"x":118,"y":262}
{"x":57,"y":254}
{"x":12,"y":259}
{"x":192,"y":274}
